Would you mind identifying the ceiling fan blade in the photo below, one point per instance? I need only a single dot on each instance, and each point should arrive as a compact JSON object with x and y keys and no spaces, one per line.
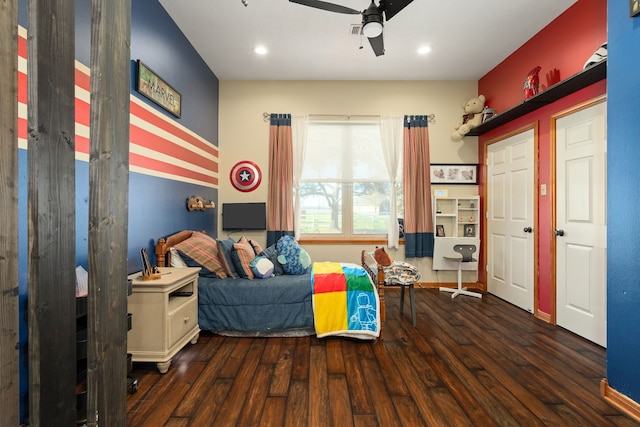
{"x":392,"y":7}
{"x":327,"y":6}
{"x":377,"y":44}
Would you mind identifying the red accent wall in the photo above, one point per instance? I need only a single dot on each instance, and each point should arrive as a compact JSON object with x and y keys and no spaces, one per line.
{"x":563,"y":45}
{"x":561,"y":49}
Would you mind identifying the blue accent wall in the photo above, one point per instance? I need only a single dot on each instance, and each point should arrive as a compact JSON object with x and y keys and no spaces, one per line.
{"x":623,"y":196}
{"x":157,"y":206}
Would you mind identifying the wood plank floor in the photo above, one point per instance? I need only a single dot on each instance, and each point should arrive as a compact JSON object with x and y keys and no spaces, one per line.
{"x":469,"y":362}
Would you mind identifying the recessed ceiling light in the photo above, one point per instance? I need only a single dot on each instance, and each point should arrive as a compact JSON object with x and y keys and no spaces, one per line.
{"x":260,"y":50}
{"x":424,"y":50}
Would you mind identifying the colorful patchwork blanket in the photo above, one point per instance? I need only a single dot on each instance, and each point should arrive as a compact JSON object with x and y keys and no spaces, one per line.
{"x":345,"y":301}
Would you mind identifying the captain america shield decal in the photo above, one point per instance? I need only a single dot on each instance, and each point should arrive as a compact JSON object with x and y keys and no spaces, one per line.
{"x":245,"y":176}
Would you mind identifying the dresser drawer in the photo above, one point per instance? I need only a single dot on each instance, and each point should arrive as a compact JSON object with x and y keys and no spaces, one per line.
{"x":183,"y":320}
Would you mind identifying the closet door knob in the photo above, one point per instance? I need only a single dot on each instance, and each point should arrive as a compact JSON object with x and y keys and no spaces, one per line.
{"x":558,"y":233}
{"x":528,"y":230}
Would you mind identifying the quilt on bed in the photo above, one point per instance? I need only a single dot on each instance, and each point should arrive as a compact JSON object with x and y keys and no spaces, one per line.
{"x":260,"y":305}
{"x":345,"y":301}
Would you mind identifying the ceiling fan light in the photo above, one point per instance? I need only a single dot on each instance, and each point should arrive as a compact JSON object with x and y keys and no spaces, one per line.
{"x":260,"y":50}
{"x":372,"y":29}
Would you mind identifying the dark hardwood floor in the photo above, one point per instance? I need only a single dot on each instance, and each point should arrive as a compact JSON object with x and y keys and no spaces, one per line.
{"x":469,"y":362}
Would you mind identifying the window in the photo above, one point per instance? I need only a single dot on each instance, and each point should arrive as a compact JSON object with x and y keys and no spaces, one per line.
{"x":345,"y":188}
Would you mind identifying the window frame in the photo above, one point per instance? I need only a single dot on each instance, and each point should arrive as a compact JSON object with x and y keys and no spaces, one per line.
{"x":347,"y":196}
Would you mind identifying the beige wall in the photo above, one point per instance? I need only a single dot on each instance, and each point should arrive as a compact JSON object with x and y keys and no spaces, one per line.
{"x":244,"y":135}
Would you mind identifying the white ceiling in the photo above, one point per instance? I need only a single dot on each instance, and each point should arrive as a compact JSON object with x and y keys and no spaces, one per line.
{"x":468,"y":38}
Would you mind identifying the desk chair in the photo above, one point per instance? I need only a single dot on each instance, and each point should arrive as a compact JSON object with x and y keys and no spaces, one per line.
{"x":466,"y":255}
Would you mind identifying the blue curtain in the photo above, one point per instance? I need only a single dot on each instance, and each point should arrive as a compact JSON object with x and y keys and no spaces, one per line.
{"x":418,"y":218}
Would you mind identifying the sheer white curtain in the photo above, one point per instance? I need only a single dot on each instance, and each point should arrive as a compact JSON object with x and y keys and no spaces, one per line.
{"x":391,"y":134}
{"x":299,"y":126}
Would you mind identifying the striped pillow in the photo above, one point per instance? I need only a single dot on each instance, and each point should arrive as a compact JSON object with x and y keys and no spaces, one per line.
{"x":202,"y":251}
{"x":256,"y":246}
{"x":242,"y":256}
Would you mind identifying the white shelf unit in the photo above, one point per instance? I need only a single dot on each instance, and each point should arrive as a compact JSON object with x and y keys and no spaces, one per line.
{"x":459,"y":219}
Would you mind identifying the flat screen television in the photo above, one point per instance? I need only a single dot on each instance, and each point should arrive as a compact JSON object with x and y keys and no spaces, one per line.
{"x":244,"y":216}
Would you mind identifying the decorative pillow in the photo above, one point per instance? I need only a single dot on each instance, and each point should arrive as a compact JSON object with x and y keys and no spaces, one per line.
{"x":176,"y":259}
{"x":272,"y":254}
{"x":382,"y":257}
{"x":200,"y":250}
{"x":255,"y":245}
{"x":262,"y":267}
{"x":226,"y":248}
{"x":293,"y":258}
{"x":242,"y":256}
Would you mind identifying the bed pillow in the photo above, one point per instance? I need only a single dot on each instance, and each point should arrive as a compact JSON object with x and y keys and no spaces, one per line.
{"x":272,"y":253}
{"x":226,"y":248}
{"x":242,"y":256}
{"x":262,"y":267}
{"x":176,"y":259}
{"x":255,"y":245}
{"x":200,"y":250}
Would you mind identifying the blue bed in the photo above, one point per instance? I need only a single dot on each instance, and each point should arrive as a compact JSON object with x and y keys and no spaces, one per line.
{"x":279,"y":305}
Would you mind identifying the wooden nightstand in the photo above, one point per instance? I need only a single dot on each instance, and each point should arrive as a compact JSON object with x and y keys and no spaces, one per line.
{"x":165,"y":315}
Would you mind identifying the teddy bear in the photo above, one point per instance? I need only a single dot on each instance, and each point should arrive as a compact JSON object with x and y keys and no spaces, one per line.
{"x":472,"y":117}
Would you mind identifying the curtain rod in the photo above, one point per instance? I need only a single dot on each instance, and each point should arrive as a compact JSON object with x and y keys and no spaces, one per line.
{"x":267,"y":116}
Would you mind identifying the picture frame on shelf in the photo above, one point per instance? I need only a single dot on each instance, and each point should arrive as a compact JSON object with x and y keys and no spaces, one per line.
{"x":470,"y":230}
{"x":440,"y":230}
{"x":447,"y":173}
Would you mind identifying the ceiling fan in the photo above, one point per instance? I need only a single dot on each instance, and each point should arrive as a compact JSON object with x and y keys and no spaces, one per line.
{"x":372,"y":17}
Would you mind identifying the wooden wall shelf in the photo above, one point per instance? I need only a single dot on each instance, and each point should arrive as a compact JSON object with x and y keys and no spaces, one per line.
{"x":561,"y":89}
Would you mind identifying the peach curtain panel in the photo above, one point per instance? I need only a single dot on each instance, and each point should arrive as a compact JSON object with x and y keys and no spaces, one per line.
{"x":418,"y":218}
{"x":280,"y":211}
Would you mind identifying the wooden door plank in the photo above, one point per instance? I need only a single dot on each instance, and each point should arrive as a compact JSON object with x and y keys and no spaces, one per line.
{"x":110,"y":74}
{"x":52,"y":257}
{"x":9,"y":326}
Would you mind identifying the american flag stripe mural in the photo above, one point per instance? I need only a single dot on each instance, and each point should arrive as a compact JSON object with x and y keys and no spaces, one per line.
{"x":158,"y":145}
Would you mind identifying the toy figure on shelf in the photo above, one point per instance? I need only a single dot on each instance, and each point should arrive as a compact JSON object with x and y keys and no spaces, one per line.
{"x":531,"y":83}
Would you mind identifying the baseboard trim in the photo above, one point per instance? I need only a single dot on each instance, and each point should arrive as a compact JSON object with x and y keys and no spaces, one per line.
{"x":619,"y":400}
{"x":545,"y":317}
{"x":436,"y":285}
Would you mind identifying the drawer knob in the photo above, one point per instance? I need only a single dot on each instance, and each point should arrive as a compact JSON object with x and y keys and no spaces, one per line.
{"x":186,"y":319}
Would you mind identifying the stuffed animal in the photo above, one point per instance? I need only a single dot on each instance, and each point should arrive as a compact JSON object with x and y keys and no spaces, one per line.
{"x":382,"y":257}
{"x":293,"y":258}
{"x":472,"y":117}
